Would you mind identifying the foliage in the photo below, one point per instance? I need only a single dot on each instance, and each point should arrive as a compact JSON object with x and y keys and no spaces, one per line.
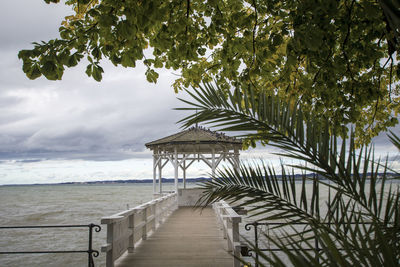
{"x":337,"y":57}
{"x":359,"y":223}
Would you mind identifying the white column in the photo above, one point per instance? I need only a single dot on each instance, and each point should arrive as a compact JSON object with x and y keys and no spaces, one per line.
{"x":176,"y":169}
{"x":184,"y":173}
{"x":236,"y":159}
{"x":154,"y":173}
{"x":213,"y":162}
{"x":160,"y":175}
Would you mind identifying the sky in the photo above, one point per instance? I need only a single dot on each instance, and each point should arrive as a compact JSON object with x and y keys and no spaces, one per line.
{"x":78,"y":129}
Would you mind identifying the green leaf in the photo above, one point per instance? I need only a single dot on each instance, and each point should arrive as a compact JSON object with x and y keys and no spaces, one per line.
{"x":97,"y":72}
{"x":89,"y":70}
{"x":72,"y":61}
{"x":96,"y":53}
{"x":34,"y":72}
{"x":49,"y":68}
{"x":151,"y":76}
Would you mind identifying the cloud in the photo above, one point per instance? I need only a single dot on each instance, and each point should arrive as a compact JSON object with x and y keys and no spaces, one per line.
{"x":87,"y":118}
{"x":76,"y":117}
{"x":25,"y":21}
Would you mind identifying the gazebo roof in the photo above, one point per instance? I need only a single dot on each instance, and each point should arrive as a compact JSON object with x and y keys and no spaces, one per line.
{"x":197,"y":136}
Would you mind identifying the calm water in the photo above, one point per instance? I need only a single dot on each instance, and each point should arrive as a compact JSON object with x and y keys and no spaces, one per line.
{"x":61,"y":204}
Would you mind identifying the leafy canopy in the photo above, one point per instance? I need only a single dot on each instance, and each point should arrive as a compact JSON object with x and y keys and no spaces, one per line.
{"x":337,"y":57}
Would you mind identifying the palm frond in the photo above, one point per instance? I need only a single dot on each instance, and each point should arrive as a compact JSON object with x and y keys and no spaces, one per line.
{"x":394,"y":139}
{"x":361,"y":216}
{"x":286,"y":127}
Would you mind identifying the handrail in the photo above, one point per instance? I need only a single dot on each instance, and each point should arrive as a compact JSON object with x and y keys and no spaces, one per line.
{"x":230,"y":220}
{"x":126,"y":228}
{"x":91,"y":252}
{"x":257,"y":249}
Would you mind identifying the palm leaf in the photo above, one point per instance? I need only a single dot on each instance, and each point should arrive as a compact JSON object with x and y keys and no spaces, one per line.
{"x":358,"y":219}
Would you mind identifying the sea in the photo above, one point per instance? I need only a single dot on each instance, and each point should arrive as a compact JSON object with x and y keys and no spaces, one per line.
{"x":71,"y":204}
{"x":67,"y":204}
{"x":61,"y":205}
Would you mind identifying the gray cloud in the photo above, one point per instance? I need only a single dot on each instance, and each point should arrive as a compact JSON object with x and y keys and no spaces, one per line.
{"x":76,"y":117}
{"x":87,"y":117}
{"x":27,"y":21}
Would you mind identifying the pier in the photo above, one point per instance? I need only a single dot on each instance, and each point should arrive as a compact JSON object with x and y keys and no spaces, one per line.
{"x":162,"y":233}
{"x":169,"y":231}
{"x":189,"y":237}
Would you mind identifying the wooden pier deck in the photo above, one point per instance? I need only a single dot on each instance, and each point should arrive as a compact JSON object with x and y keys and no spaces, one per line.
{"x":189,"y":237}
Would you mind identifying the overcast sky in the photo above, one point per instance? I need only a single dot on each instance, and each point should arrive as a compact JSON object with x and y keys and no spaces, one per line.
{"x":76,"y":117}
{"x":77,"y":129}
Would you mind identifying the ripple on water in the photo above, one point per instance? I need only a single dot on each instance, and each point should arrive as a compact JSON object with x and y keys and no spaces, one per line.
{"x":61,"y":204}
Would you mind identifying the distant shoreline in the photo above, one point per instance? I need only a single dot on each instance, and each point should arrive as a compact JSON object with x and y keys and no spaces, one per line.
{"x":298,"y":177}
{"x":130,"y":181}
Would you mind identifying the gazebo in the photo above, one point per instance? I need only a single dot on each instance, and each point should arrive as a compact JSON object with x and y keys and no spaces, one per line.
{"x":185,"y":147}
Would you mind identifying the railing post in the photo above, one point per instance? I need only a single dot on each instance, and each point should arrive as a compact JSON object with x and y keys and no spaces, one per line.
{"x":131,"y":226}
{"x":256,"y":241}
{"x":236,"y":240}
{"x":90,"y":250}
{"x":144,"y":229}
{"x":110,"y":238}
{"x":156,"y":212}
{"x":223,"y":222}
{"x":229,"y":229}
{"x":153,"y":209}
{"x":235,"y":229}
{"x":160,"y":212}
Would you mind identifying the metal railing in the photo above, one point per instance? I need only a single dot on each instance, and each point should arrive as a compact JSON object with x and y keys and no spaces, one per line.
{"x":90,"y":251}
{"x":247,"y":252}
